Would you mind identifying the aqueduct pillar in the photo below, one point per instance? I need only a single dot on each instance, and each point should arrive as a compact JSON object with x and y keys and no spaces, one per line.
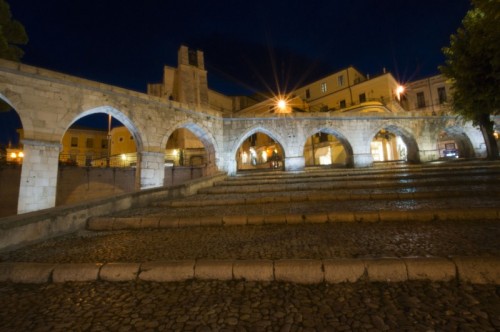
{"x":38,"y":186}
{"x":151,"y":169}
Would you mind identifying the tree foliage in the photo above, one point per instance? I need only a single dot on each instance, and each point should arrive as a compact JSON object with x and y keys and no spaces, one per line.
{"x":12,"y":34}
{"x":473,"y":65}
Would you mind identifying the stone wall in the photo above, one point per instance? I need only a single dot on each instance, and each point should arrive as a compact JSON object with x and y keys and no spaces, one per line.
{"x":80,"y":184}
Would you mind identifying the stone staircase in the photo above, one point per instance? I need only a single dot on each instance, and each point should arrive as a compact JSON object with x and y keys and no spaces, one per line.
{"x":333,"y":209}
{"x":423,"y":193}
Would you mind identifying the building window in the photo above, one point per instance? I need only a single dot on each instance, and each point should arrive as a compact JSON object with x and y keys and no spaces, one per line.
{"x":442,"y":95}
{"x":362,"y":98}
{"x":120,"y":139}
{"x":90,"y":143}
{"x":342,"y":103}
{"x":323,"y":87}
{"x":340,"y":80}
{"x":308,"y":94}
{"x":104,"y":144}
{"x":74,"y":142}
{"x":420,"y":100}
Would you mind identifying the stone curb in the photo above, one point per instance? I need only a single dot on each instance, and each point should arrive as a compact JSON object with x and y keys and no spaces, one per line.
{"x":476,"y":270}
{"x":111,"y":223}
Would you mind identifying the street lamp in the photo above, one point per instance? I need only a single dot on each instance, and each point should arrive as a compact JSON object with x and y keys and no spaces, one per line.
{"x":399,"y":91}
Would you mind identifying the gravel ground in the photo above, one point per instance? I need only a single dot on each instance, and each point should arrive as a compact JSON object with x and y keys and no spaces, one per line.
{"x":394,"y":239}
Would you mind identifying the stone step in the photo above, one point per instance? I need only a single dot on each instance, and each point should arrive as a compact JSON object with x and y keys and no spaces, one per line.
{"x":344,"y":184}
{"x":308,"y":173}
{"x":321,"y":197}
{"x":152,"y":222}
{"x":478,"y":270}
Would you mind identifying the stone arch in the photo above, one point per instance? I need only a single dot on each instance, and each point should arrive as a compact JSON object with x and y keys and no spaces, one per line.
{"x":115,"y":113}
{"x":339,"y":136}
{"x":202,"y":133}
{"x":462,"y":140}
{"x":277,"y":138}
{"x":407,"y":137}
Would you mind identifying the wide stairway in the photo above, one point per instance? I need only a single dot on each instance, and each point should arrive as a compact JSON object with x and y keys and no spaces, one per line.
{"x":435,"y":222}
{"x":399,"y":193}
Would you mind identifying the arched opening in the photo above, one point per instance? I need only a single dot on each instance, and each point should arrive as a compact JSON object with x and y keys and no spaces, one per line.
{"x":394,"y":144}
{"x":453,"y":143}
{"x":98,"y":157}
{"x":11,"y":158}
{"x":189,"y":154}
{"x":259,"y":151}
{"x":98,"y":140}
{"x":184,"y":148}
{"x":327,"y":148}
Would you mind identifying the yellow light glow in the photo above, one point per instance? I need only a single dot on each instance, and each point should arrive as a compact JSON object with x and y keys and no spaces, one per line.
{"x":13,"y":155}
{"x":176,"y":152}
{"x":21,"y":154}
{"x":124,"y":157}
{"x":399,"y":91}
{"x":282,"y":104}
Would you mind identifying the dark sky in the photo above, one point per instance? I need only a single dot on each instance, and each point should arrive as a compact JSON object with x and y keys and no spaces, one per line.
{"x":126,"y":43}
{"x":248,"y":45}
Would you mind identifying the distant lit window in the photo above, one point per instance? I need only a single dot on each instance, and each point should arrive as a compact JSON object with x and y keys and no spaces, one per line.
{"x":74,"y":142}
{"x":90,"y":143}
{"x":323,"y":87}
{"x":362,"y":98}
{"x":308,"y":94}
{"x":342,"y":103}
{"x":442,"y":95}
{"x":340,"y":80}
{"x":420,"y":100}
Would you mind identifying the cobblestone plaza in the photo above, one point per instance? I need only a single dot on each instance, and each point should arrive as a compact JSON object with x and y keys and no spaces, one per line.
{"x":244,"y":305}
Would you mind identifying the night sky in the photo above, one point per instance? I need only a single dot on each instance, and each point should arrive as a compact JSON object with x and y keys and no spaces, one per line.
{"x":248,"y":45}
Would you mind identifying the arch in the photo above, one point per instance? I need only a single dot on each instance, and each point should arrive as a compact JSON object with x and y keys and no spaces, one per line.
{"x":462,"y":142}
{"x":255,"y":129}
{"x":204,"y":135}
{"x":339,"y":136}
{"x":115,"y":113}
{"x":406,"y":136}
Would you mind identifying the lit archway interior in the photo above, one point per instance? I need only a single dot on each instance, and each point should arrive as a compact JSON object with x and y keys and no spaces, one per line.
{"x":453,"y":143}
{"x":327,"y":148}
{"x":393,"y":144}
{"x":98,"y":140}
{"x":260,"y":151}
{"x":184,"y":148}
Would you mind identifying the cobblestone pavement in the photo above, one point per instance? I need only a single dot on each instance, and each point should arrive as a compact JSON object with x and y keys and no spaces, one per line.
{"x":350,"y":240}
{"x":249,"y":306}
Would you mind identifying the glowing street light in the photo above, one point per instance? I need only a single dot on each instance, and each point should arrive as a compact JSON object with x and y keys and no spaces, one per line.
{"x":399,"y":91}
{"x":282,"y":105}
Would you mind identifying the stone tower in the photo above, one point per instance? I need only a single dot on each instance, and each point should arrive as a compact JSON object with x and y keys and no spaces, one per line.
{"x":187,"y":83}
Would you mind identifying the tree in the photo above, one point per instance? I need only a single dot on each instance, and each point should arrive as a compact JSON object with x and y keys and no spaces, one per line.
{"x":12,"y":34}
{"x":473,"y":65}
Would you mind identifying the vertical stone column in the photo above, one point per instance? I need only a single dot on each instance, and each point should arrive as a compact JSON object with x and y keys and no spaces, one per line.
{"x":38,"y":186}
{"x":362,"y":159}
{"x":295,"y":163}
{"x":151,"y":169}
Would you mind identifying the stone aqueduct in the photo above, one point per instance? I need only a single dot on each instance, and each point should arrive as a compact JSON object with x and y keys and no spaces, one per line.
{"x":48,"y":103}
